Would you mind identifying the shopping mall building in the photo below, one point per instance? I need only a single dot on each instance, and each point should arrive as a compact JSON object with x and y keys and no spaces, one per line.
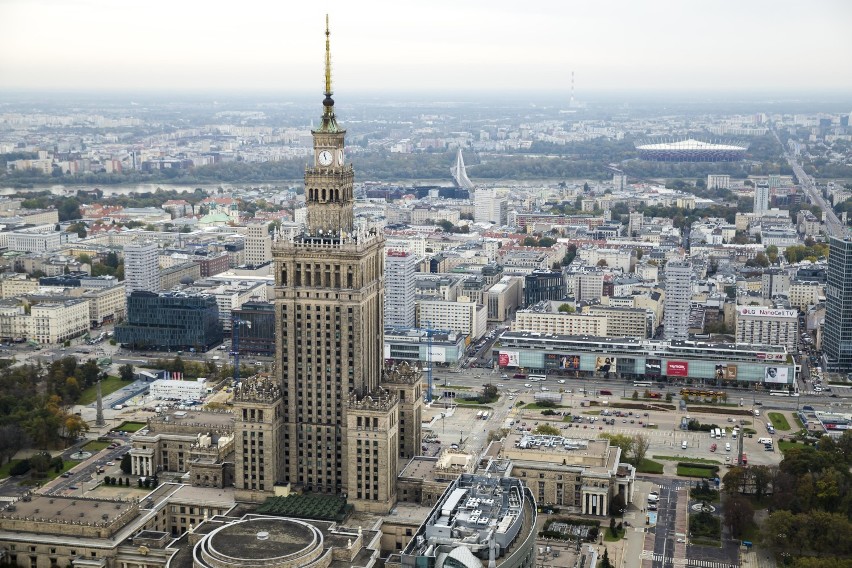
{"x":690,"y":362}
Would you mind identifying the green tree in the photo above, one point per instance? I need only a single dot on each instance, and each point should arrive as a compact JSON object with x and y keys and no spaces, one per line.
{"x":489,"y":394}
{"x":125,"y":465}
{"x":566,"y":308}
{"x":126,"y":372}
{"x":546,"y":430}
{"x":738,"y":514}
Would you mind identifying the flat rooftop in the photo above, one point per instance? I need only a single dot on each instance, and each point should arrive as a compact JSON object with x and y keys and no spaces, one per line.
{"x":51,"y":508}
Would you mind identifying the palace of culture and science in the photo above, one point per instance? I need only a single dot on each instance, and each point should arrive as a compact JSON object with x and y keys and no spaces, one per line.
{"x":334,"y":421}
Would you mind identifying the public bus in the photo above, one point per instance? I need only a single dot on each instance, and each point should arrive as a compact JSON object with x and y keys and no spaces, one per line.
{"x":642,"y":384}
{"x":537,"y":377}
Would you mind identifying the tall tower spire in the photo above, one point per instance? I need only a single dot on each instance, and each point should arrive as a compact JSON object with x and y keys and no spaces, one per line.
{"x":329,"y":123}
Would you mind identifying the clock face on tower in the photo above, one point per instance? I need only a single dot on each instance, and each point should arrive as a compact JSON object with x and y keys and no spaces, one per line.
{"x":325,"y":158}
{"x":340,"y":157}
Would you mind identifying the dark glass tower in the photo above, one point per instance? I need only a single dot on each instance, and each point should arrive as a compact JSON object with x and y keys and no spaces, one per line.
{"x":837,"y":340}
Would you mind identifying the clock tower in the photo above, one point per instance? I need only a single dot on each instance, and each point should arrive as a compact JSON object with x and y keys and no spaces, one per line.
{"x":329,"y":181}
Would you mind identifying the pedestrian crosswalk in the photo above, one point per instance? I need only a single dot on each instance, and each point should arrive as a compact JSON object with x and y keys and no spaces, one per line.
{"x":685,"y":562}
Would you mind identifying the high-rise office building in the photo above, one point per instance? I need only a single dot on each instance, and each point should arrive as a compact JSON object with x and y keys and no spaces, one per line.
{"x":340,"y":430}
{"x":761,"y":198}
{"x":258,"y":246}
{"x":678,"y":281}
{"x":141,"y":268}
{"x":837,"y":333}
{"x":400,"y":268}
{"x":490,"y":207}
{"x":543,"y":285}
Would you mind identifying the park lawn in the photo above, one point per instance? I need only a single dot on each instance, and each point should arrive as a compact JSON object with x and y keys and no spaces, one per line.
{"x":798,"y":421}
{"x":609,"y":538}
{"x":785,"y":445}
{"x":779,"y":421}
{"x":650,"y":466}
{"x":4,"y":469}
{"x":693,"y":460}
{"x":95,"y":446}
{"x":472,"y":404}
{"x":108,"y":385}
{"x":695,"y":472}
{"x":130,"y":427}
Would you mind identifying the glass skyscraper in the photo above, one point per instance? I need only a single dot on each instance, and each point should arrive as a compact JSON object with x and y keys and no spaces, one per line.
{"x":837,"y":340}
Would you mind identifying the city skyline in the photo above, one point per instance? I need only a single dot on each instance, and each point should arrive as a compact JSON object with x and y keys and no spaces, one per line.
{"x":498,"y":47}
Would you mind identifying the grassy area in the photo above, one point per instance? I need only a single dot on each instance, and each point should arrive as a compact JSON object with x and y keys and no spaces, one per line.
{"x":695,"y":460}
{"x":451,"y":387}
{"x":650,"y":466}
{"x":609,"y":538}
{"x":108,"y":385}
{"x":785,"y":445}
{"x":748,"y":431}
{"x":798,"y":421}
{"x":695,"y":472}
{"x":779,"y":421}
{"x":95,"y":446}
{"x":130,"y":427}
{"x":4,"y":469}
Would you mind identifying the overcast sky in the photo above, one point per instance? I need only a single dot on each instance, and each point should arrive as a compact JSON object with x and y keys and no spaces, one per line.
{"x":440,"y":46}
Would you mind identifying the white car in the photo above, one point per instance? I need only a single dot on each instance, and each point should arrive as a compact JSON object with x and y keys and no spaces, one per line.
{"x":527,"y":385}
{"x":500,"y":385}
{"x":561,"y":381}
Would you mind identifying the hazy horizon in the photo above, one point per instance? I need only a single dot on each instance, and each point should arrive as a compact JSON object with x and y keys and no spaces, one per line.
{"x":622,"y":46}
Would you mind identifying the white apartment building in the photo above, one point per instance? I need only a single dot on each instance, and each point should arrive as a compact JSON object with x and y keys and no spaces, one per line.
{"x":490,"y":207}
{"x":802,"y":295}
{"x":462,"y":316}
{"x":432,"y":215}
{"x":14,"y":323}
{"x":718,"y":181}
{"x":678,"y":281}
{"x":616,"y":259}
{"x":400,"y":268}
{"x":585,"y":286}
{"x":413,"y":243}
{"x":559,"y":323}
{"x":141,"y":267}
{"x":768,"y":326}
{"x":55,"y":322}
{"x":258,"y":245}
{"x":625,"y":322}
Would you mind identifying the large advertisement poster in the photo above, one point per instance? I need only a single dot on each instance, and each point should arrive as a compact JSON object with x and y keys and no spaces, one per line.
{"x":776,"y":375}
{"x":653,"y":367}
{"x":605,"y":364}
{"x":726,"y":372}
{"x":677,"y":368}
{"x":439,"y":354}
{"x":508,"y":359}
{"x":559,"y":361}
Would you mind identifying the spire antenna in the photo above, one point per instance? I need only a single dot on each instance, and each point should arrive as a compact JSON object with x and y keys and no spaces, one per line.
{"x":327,"y":59}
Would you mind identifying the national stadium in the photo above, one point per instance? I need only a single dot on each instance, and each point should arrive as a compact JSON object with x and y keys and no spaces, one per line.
{"x":691,"y":150}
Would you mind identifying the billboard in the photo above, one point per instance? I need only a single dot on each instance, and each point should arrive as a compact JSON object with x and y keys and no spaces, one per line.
{"x":508,"y":359}
{"x":766,"y":312}
{"x":653,"y":367}
{"x":439,"y":354}
{"x":776,"y":375}
{"x":677,"y":368}
{"x":605,"y":364}
{"x":726,"y":372}
{"x":558,"y":361}
{"x":772,"y":357}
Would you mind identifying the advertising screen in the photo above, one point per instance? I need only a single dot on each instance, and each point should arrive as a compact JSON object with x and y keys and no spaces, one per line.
{"x":605,"y":364}
{"x":564,"y":362}
{"x":653,"y":367}
{"x":439,"y":354}
{"x":508,"y":358}
{"x":726,"y":372}
{"x":776,"y":374}
{"x":677,"y":368}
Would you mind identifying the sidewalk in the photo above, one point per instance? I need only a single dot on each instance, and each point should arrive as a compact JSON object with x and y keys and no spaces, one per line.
{"x":757,"y":559}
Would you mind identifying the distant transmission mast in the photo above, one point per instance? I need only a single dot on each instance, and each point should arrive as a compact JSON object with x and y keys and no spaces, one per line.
{"x":571,"y":102}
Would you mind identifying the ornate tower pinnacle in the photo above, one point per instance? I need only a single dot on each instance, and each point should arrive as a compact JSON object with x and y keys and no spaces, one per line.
{"x":329,"y":123}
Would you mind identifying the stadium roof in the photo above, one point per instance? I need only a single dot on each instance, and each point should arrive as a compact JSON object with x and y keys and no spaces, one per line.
{"x":690,"y":144}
